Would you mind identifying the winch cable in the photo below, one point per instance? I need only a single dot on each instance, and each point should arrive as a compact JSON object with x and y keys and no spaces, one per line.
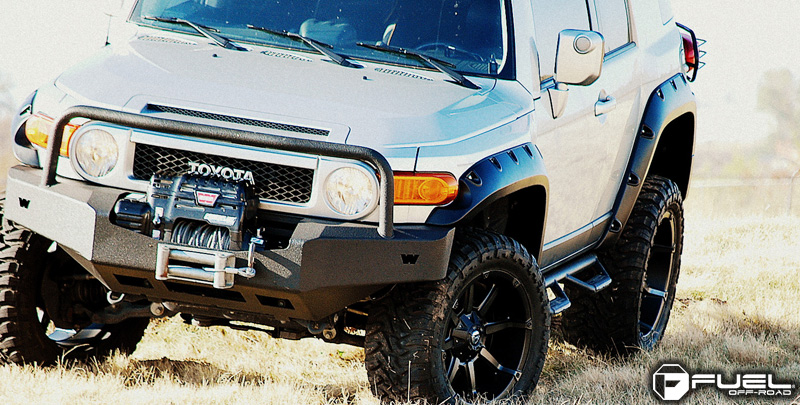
{"x":201,"y":235}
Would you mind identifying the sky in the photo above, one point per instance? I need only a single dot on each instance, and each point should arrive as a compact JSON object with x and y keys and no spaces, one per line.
{"x":745,"y":39}
{"x":40,"y":38}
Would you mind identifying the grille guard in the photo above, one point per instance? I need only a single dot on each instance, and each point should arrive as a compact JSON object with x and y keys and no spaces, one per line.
{"x":362,"y":154}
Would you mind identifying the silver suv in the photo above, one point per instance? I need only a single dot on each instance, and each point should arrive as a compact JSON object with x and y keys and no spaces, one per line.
{"x":431,"y":180}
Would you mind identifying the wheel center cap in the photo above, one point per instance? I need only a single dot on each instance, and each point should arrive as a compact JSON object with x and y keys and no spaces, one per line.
{"x":475,"y":337}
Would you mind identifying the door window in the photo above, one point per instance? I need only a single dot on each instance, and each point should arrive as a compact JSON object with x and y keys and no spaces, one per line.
{"x":614,"y":23}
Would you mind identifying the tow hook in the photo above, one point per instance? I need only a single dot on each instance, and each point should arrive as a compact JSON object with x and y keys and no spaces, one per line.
{"x":114,"y":298}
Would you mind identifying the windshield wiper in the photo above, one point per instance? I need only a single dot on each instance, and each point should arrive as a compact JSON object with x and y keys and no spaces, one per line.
{"x":202,"y":30}
{"x":440,"y":65}
{"x":320,"y":47}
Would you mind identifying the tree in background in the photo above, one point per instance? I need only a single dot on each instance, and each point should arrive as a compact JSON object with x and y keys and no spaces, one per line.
{"x":779,"y":96}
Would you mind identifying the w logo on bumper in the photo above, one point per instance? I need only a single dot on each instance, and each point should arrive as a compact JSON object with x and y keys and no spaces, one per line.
{"x":409,"y":259}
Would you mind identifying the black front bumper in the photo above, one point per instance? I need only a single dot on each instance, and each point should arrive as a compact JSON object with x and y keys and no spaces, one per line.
{"x":326,"y":267}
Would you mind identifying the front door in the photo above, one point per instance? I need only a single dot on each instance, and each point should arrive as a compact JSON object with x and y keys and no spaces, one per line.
{"x":585,"y":149}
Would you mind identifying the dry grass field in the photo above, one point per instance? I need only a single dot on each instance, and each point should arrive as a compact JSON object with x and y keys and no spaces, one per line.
{"x":737,"y":309}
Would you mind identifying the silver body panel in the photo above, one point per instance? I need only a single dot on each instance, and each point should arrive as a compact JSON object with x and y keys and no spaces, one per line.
{"x":414,"y":117}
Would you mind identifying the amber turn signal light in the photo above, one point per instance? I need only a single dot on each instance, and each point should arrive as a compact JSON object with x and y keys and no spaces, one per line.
{"x":424,"y":188}
{"x":38,"y":128}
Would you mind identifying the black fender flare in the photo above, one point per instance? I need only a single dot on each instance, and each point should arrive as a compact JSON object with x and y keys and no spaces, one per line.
{"x":670,"y":100}
{"x":493,"y":178}
{"x":20,"y":145}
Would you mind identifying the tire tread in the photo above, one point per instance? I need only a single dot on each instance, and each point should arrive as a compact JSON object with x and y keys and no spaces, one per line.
{"x":608,"y":321}
{"x":402,"y":325}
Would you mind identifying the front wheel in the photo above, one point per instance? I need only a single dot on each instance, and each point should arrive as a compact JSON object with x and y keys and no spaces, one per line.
{"x":481,"y":333}
{"x":46,"y":303}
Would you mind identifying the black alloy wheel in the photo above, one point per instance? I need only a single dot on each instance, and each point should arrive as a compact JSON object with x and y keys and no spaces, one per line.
{"x":488,"y":336}
{"x":656,"y":299}
{"x":479,"y":334}
{"x":632,"y":313}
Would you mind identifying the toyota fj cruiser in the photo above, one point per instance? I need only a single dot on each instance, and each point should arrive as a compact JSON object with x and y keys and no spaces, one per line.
{"x":428,"y":179}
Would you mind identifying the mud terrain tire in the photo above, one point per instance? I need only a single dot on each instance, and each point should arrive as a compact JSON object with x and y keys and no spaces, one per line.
{"x":632,"y":313}
{"x":24,"y":338}
{"x":486,"y":325}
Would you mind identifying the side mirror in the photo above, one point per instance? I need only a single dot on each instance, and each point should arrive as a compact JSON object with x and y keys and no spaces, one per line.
{"x":579,"y":61}
{"x":579,"y":57}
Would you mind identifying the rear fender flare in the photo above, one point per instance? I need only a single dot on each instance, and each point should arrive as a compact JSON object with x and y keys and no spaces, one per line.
{"x":669,"y":101}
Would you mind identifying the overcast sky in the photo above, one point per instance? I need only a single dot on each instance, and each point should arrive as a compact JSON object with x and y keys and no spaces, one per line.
{"x":40,"y":38}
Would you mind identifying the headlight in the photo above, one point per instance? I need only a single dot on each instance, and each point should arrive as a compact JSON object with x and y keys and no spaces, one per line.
{"x":349,"y":191}
{"x":96,"y":152}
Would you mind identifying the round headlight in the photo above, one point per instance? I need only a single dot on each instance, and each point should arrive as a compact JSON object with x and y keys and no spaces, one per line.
{"x":349,"y":191}
{"x":96,"y":152}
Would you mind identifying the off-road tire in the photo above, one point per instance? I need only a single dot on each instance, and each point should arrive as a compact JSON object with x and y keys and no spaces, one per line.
{"x":410,"y":339}
{"x":643,"y":265}
{"x":23,"y":340}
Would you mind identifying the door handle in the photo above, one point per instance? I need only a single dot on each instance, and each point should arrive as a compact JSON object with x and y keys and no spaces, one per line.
{"x":605,"y":106}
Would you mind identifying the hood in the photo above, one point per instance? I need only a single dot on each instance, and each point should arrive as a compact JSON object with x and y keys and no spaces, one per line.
{"x":378,"y":106}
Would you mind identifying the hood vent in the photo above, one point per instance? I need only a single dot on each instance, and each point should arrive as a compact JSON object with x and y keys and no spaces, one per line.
{"x":155,"y":108}
{"x":402,"y":74}
{"x":153,"y":38}
{"x":284,"y":55}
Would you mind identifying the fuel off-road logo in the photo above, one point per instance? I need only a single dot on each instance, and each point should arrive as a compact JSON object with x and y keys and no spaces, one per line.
{"x":671,"y":382}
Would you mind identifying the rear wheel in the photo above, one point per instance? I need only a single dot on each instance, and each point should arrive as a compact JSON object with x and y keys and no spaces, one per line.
{"x":632,"y":313}
{"x":480,"y":333}
{"x":46,"y":303}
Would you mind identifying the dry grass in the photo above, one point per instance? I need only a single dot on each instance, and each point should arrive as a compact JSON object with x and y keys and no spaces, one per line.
{"x":176,"y":363}
{"x":738,"y":309}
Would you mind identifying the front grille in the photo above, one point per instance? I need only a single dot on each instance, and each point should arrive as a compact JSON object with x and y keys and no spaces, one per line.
{"x":238,"y":120}
{"x":272,"y":181}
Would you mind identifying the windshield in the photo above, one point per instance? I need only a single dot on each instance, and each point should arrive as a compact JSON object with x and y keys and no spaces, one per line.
{"x":470,"y":34}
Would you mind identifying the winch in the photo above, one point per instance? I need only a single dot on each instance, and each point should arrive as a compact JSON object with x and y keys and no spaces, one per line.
{"x":200,"y":211}
{"x":209,"y":214}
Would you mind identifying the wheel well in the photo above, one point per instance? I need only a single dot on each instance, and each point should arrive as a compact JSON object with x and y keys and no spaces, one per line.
{"x":673,"y":156}
{"x":520,"y":215}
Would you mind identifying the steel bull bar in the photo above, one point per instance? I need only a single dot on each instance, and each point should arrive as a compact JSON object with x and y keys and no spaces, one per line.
{"x":362,"y":154}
